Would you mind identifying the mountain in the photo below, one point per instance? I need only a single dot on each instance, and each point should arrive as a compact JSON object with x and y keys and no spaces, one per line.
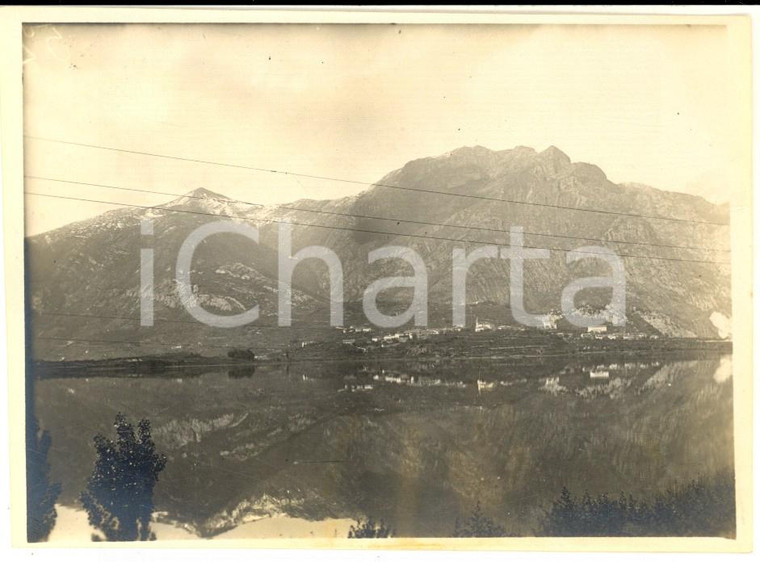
{"x":92,"y":268}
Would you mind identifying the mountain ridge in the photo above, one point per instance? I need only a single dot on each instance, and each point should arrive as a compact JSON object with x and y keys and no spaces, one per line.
{"x":93,"y":265}
{"x":207,"y":194}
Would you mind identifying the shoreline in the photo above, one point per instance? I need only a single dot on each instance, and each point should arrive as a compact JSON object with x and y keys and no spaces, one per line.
{"x":160,"y":365}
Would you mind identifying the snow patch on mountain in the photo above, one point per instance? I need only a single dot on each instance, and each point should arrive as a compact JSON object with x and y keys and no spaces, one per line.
{"x":722,"y":323}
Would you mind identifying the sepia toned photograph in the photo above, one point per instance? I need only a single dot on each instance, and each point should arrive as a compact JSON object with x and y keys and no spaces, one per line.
{"x":390,"y":279}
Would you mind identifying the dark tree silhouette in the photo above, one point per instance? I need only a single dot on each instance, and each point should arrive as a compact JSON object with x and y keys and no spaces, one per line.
{"x":41,"y":494}
{"x":478,"y":524}
{"x":369,"y":529}
{"x":242,"y":354}
{"x":702,"y":507}
{"x":119,"y":494}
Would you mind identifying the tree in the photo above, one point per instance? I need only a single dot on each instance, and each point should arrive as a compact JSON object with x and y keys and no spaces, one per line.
{"x":478,"y":525}
{"x":563,"y":517}
{"x":703,"y":507}
{"x":119,"y":494}
{"x":241,"y":354}
{"x":369,"y":529}
{"x":41,"y":494}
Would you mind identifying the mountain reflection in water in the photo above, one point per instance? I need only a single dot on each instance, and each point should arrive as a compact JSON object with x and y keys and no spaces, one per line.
{"x":415,"y":444}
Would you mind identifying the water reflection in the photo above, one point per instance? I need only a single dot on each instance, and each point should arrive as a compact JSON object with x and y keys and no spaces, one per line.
{"x":415,"y":444}
{"x":241,"y":372}
{"x":724,"y":370}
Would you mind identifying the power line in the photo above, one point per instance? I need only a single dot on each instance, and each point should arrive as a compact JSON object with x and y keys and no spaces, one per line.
{"x":383,"y":185}
{"x":150,"y":191}
{"x":368,"y":231}
{"x":389,"y":219}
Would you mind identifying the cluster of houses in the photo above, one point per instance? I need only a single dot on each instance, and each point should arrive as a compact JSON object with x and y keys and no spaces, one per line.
{"x":363,"y":336}
{"x":602,"y":332}
{"x":360,"y":335}
{"x":550,"y":323}
{"x":355,"y":388}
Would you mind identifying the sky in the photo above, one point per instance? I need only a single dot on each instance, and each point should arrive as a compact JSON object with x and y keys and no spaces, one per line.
{"x":647,"y":104}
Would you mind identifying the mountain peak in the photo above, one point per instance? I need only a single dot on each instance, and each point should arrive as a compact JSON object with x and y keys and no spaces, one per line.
{"x":554,"y":159}
{"x":555,"y":154}
{"x":203,"y":193}
{"x":468,"y":152}
{"x":200,"y":197}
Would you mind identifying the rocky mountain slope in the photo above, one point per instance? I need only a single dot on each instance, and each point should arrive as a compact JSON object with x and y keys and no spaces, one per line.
{"x":91,"y":268}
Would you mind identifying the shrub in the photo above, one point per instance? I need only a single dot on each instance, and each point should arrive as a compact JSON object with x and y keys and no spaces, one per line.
{"x":369,"y":529}
{"x":119,"y":494}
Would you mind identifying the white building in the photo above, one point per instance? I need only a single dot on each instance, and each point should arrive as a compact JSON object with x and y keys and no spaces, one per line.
{"x":549,"y":323}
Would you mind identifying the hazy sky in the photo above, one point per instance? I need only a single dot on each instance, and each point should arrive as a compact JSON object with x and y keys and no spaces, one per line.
{"x":647,"y":104}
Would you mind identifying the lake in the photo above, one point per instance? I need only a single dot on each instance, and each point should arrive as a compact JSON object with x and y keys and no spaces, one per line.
{"x":417,"y":444}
